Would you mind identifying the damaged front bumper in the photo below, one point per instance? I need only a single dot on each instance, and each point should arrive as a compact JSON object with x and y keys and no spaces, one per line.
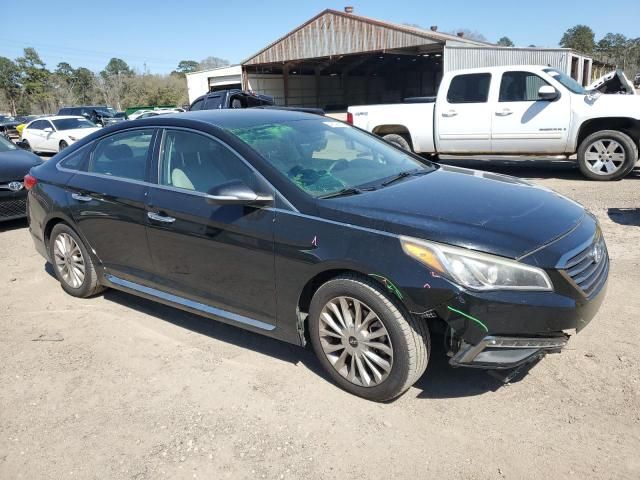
{"x":495,"y":352}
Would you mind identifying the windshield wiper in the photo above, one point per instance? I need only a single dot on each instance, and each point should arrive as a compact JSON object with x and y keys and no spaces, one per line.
{"x":343,"y":193}
{"x":401,"y":175}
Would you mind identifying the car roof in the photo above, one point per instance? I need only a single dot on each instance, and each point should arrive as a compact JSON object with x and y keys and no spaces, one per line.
{"x":59,"y":117}
{"x":244,"y":117}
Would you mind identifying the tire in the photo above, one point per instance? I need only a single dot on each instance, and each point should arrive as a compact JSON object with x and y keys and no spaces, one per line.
{"x":406,"y":337}
{"x":607,"y":155}
{"x":62,"y":145}
{"x":399,"y":141}
{"x":71,"y":282}
{"x":26,"y":146}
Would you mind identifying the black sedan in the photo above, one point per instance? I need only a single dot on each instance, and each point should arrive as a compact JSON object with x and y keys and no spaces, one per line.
{"x":304,"y":228}
{"x":14,"y":165}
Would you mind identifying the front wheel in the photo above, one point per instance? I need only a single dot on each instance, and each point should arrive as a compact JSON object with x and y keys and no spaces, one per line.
{"x":607,"y":155}
{"x":63,"y":145}
{"x":369,"y":344}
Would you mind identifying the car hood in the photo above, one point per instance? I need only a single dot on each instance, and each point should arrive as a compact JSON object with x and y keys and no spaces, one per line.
{"x":472,"y":209}
{"x":16,"y":164}
{"x":613,"y":82}
{"x":79,"y":132}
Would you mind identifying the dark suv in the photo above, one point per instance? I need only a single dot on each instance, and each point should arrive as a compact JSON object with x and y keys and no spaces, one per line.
{"x":100,"y":115}
{"x":233,"y":98}
{"x":304,"y":228}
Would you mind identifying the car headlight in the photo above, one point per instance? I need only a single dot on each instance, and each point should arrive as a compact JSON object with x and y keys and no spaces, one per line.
{"x":476,"y":271}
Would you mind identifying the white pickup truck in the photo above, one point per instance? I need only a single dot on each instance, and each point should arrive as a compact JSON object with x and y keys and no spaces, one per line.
{"x":514,"y":110}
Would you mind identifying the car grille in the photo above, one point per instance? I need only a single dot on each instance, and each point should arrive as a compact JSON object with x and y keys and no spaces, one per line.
{"x":13,"y":208}
{"x":589,"y":268}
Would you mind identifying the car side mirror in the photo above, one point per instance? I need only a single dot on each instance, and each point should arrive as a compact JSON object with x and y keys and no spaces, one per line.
{"x":48,"y":130}
{"x":547,"y":92}
{"x":236,"y":193}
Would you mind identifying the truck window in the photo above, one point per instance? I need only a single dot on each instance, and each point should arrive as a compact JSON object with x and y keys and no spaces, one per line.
{"x":520,"y":87}
{"x":469,"y":88}
{"x":197,"y":105}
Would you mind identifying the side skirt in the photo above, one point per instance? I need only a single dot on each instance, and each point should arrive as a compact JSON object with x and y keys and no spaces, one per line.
{"x":189,"y":305}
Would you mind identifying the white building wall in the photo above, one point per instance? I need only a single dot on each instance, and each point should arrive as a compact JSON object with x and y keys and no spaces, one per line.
{"x":198,"y":83}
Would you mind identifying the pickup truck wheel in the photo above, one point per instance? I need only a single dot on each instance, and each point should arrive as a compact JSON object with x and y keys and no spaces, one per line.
{"x":367,"y":342}
{"x":398,"y":140}
{"x":607,"y":155}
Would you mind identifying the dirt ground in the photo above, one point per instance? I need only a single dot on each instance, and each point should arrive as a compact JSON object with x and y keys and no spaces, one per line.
{"x":120,"y":387}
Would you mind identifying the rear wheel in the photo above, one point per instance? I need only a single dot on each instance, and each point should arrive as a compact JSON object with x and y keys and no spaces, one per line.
{"x":63,"y":145}
{"x":368,"y":343}
{"x":607,"y":155}
{"x":399,"y":141}
{"x":71,"y":262}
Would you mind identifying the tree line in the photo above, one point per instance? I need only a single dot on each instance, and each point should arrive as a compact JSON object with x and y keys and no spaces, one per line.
{"x":614,"y":48}
{"x":27,"y":86}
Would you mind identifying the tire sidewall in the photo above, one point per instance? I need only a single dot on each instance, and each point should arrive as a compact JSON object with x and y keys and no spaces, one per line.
{"x":89,"y":272}
{"x":630,"y":151}
{"x":399,"y":141}
{"x":364,"y":292}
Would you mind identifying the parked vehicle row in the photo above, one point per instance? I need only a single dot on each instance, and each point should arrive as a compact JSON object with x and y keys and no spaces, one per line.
{"x":304,"y":229}
{"x":515,"y":110}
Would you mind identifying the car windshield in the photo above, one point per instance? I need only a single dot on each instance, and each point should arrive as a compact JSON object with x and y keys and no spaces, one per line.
{"x":324,"y":157}
{"x":72,"y":123}
{"x":6,"y":145}
{"x":566,"y":80}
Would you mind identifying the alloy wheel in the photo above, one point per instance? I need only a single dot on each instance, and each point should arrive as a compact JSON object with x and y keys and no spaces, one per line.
{"x":604,"y":157}
{"x":355,"y":341}
{"x":69,"y":260}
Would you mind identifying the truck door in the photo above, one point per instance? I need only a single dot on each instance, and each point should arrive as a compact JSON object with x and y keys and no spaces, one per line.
{"x":525,"y":123}
{"x":463,"y":115}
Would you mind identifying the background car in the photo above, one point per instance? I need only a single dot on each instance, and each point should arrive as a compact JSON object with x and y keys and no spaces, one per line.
{"x":14,"y":165}
{"x":100,"y":115}
{"x":52,"y":134}
{"x":8,"y":127}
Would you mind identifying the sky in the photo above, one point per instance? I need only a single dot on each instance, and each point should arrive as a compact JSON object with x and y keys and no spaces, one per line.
{"x":158,"y":34}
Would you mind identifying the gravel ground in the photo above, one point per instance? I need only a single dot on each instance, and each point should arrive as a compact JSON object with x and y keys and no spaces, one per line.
{"x":120,"y":387}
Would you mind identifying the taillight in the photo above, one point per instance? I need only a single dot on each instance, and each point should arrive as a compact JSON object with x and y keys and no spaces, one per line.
{"x":30,"y":181}
{"x":350,"y":118}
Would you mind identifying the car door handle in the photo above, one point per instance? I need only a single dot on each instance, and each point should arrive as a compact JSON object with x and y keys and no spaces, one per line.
{"x":504,"y":112}
{"x":450,"y":113}
{"x":160,"y":218}
{"x":81,"y":198}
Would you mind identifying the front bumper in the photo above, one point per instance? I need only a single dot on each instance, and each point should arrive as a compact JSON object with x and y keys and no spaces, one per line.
{"x":506,"y":352}
{"x":13,"y":205}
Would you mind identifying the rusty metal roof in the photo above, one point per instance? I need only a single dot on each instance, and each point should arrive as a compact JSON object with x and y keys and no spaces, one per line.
{"x":336,"y":33}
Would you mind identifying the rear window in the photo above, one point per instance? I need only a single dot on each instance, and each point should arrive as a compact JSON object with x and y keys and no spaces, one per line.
{"x":469,"y":88}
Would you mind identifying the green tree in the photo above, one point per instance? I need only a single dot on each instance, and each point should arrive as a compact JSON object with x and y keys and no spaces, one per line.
{"x":505,"y":42}
{"x":580,"y":38}
{"x":83,"y":85}
{"x":114,"y":81}
{"x":10,"y":82}
{"x":187,"y":66}
{"x":35,"y":79}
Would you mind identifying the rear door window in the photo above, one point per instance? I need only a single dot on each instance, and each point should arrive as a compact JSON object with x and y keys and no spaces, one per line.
{"x":469,"y":88}
{"x":123,"y":155}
